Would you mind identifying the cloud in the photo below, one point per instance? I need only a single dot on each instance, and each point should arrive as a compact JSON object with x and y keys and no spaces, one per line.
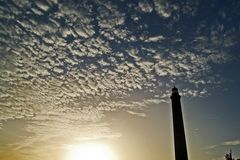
{"x":81,"y":60}
{"x":137,"y":113}
{"x":164,"y":8}
{"x":145,"y":6}
{"x":226,"y":143}
{"x":231,"y":143}
{"x":155,"y":39}
{"x":210,"y":147}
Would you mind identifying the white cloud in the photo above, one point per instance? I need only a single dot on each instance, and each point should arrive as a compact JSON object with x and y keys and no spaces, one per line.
{"x":164,"y":8}
{"x":231,"y":143}
{"x":81,"y":60}
{"x":155,"y":39}
{"x":137,"y":113}
{"x":145,"y":6}
{"x":226,"y":143}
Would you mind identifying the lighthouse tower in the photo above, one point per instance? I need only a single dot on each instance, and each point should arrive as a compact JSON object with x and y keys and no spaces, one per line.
{"x":178,"y":127}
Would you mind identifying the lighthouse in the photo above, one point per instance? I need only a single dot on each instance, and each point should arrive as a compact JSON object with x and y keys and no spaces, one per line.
{"x":178,"y":127}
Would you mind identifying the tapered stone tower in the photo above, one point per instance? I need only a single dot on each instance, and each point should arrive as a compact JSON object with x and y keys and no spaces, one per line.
{"x":178,"y":127}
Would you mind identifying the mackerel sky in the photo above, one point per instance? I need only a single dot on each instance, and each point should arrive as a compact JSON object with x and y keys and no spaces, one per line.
{"x":73,"y":71}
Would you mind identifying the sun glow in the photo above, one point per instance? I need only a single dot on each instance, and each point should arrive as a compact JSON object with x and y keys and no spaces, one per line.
{"x":91,"y":151}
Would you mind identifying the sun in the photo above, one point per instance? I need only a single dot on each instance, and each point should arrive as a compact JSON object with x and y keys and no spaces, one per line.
{"x":91,"y":151}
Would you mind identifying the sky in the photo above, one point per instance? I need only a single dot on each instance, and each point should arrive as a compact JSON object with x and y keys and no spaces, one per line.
{"x":102,"y":71}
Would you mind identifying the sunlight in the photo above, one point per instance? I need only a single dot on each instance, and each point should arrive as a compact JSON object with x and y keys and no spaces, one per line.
{"x":91,"y":151}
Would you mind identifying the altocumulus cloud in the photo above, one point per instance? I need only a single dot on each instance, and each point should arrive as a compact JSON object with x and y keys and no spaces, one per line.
{"x":81,"y":60}
{"x":226,"y":143}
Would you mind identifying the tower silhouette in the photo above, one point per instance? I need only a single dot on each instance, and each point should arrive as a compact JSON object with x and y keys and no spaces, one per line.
{"x":178,"y":127}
